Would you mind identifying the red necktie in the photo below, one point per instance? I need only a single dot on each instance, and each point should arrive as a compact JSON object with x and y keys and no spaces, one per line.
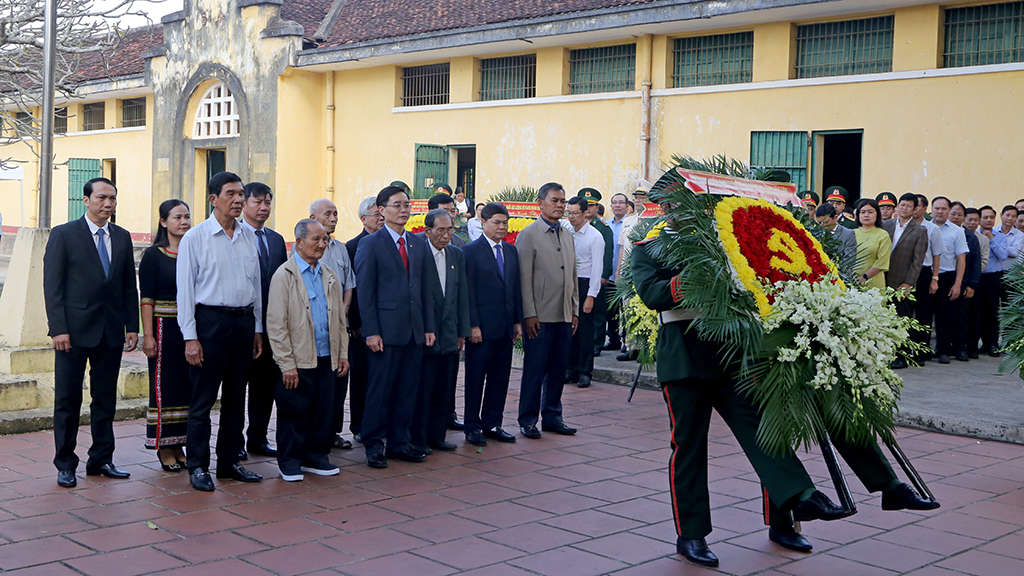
{"x":403,"y":253}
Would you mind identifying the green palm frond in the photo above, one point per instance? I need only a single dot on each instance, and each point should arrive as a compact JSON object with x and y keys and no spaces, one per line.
{"x":515,"y":194}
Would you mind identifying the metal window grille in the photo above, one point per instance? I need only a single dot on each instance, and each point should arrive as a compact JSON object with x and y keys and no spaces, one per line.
{"x":844,"y":48}
{"x":989,"y":34}
{"x":80,"y":171}
{"x":217,"y":116}
{"x":133,"y":112}
{"x":60,"y":120}
{"x":781,"y":151}
{"x":21,"y":125}
{"x":509,"y":77}
{"x":711,"y":60}
{"x":93,"y":116}
{"x":425,"y":85}
{"x":606,"y":69}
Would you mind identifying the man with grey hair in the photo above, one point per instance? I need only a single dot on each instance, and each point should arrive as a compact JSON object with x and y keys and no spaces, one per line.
{"x":369,"y":215}
{"x":336,"y":257}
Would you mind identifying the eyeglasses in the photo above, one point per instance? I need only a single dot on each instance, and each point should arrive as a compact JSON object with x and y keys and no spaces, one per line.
{"x":400,"y":205}
{"x":443,"y":231}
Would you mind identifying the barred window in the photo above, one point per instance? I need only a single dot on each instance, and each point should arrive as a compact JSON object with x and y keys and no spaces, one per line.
{"x":92,"y":116}
{"x":843,"y":48}
{"x":606,"y":69}
{"x":60,"y":120}
{"x":425,"y":85}
{"x":22,"y":124}
{"x":133,"y":112}
{"x":509,"y":77}
{"x":711,"y":60}
{"x":217,"y":116}
{"x":989,"y":34}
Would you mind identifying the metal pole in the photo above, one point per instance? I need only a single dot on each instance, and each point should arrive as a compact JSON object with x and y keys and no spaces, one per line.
{"x":46,"y":138}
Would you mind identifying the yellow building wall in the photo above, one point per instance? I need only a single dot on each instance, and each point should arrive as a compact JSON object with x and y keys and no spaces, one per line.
{"x":301,"y":164}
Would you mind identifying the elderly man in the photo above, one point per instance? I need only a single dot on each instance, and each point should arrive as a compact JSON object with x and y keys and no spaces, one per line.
{"x":620,"y":220}
{"x":336,"y":258}
{"x":372,"y":220}
{"x":445,"y":202}
{"x":547,"y":266}
{"x":827,"y":216}
{"x":590,"y":250}
{"x":306,"y":327}
{"x":220,"y":313}
{"x":448,"y":294}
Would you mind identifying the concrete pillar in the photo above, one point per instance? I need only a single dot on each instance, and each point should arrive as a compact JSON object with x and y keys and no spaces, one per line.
{"x":917,"y":41}
{"x":774,"y":51}
{"x":22,"y":310}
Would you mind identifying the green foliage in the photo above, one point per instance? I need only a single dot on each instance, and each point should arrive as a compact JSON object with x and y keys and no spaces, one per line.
{"x":515,"y":194}
{"x":1011,"y":318}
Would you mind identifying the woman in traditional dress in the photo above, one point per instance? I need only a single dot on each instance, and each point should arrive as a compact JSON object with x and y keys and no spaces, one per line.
{"x":169,"y":390}
{"x":873,"y":245}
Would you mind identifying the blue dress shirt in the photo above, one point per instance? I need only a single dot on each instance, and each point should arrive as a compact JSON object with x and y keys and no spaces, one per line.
{"x":314,"y":281}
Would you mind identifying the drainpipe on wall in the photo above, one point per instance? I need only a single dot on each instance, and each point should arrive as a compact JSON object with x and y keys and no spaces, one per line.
{"x":645,"y":103}
{"x":329,"y":174}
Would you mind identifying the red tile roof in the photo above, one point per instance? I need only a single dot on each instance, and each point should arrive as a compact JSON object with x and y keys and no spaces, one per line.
{"x":308,"y":13}
{"x":126,"y":60}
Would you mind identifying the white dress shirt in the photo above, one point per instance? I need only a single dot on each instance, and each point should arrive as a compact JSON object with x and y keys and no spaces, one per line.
{"x":216,"y":270}
{"x":936,"y":244}
{"x":589,"y":256}
{"x":441,"y":262}
{"x":898,"y":231}
{"x":337,"y":260}
{"x":93,"y":229}
{"x":956,"y":244}
{"x":475,"y":228}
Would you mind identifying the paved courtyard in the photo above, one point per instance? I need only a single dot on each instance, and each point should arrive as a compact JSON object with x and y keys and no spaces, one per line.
{"x":596,"y":503}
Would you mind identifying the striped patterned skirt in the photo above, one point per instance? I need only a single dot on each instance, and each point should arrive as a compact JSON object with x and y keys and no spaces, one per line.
{"x":169,"y":388}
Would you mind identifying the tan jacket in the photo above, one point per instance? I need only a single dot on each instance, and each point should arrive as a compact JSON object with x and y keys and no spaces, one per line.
{"x":290,"y":322}
{"x":547,"y":269}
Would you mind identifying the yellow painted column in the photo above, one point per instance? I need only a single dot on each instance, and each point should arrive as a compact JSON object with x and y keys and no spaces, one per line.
{"x":661,"y":62}
{"x":463,"y":85}
{"x":774,"y":51}
{"x":552,"y":71}
{"x":918,"y":38}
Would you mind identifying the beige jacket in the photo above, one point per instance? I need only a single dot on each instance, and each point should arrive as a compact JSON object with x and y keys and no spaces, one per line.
{"x":290,"y":322}
{"x":547,"y":270}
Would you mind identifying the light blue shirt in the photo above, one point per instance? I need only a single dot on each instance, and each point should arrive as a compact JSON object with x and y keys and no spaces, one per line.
{"x":616,"y":231}
{"x":314,"y":281}
{"x":1004,"y":249}
{"x":216,"y":270}
{"x":956,"y":244}
{"x":395,"y":236}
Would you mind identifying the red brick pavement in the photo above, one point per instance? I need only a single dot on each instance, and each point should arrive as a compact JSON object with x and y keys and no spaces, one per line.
{"x":596,"y":503}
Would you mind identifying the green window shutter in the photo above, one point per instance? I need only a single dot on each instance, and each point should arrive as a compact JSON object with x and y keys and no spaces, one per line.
{"x":605,"y":69}
{"x":509,"y":77}
{"x":989,"y":34}
{"x":431,"y":169}
{"x":844,"y":48}
{"x":711,"y":60}
{"x":80,"y":171}
{"x":782,"y":151}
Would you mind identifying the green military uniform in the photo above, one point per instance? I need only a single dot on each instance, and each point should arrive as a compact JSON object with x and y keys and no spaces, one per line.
{"x":810,"y":199}
{"x":694,"y":380}
{"x":840,"y":193}
{"x":601,"y":302}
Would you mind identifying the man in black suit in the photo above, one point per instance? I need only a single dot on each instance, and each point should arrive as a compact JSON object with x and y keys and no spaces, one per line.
{"x":443,"y":200}
{"x":372,"y":221}
{"x":92,"y":306}
{"x":449,"y":296}
{"x":391,"y":267}
{"x":263,"y":373}
{"x":496,"y":318}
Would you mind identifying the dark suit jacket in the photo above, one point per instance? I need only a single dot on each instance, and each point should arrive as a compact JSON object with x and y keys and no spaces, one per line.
{"x":278,"y":256}
{"x":80,"y":300}
{"x":451,"y":307}
{"x":355,"y":323}
{"x":391,"y":300}
{"x":495,"y":303}
{"x":907,"y":254}
{"x":972,"y":270}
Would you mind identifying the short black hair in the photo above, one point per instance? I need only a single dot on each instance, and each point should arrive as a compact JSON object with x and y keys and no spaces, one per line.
{"x":438,"y":199}
{"x":937,"y":198}
{"x":972,"y":210}
{"x":630,"y":204}
{"x":257,"y":189}
{"x":87,"y":189}
{"x":960,"y":204}
{"x":1018,"y":202}
{"x":600,"y":209}
{"x":825,"y":210}
{"x":432,"y":216}
{"x":216,"y":184}
{"x":986,"y":207}
{"x":909,"y":197}
{"x":491,"y":209}
{"x":1007,"y":208}
{"x":922,"y":200}
{"x":578,"y":200}
{"x":543,"y":192}
{"x":624,"y":197}
{"x":384,"y":195}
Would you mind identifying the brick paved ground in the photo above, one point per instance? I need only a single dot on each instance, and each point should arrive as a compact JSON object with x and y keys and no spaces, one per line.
{"x":596,"y":503}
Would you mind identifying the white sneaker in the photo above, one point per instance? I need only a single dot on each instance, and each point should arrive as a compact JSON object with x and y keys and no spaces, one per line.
{"x":329,"y":471}
{"x":292,"y":477}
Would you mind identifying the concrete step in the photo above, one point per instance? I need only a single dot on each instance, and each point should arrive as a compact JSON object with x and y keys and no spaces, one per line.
{"x":20,"y":421}
{"x":26,"y":360}
{"x":17,"y":393}
{"x":7,"y":244}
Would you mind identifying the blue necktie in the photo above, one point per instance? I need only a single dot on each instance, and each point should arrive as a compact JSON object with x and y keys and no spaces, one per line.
{"x":101,"y":247}
{"x":501,"y":261}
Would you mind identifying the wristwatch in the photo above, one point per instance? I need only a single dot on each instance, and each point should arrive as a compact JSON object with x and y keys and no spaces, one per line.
{"x":865,"y":276}
{"x":936,"y":278}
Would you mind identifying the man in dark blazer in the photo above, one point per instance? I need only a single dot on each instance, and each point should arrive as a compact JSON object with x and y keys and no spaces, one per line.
{"x":358,"y":372}
{"x":908,"y":250}
{"x":92,"y":306}
{"x":263,"y":373}
{"x":449,"y":297}
{"x":495,"y":318}
{"x":443,"y":200}
{"x":391,"y":272}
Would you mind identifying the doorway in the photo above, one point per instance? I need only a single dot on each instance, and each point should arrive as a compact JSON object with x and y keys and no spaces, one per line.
{"x":838,"y":156}
{"x":465,"y":170}
{"x":216,"y":162}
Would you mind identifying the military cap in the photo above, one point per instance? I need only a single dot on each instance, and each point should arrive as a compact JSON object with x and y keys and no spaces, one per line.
{"x":836,"y":193}
{"x":401,"y":184}
{"x":810,"y":198}
{"x":886,"y":199}
{"x":589,"y":194}
{"x":643,"y":187}
{"x":443,"y":189}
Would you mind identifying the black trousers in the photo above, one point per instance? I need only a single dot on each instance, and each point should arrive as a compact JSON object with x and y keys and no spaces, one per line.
{"x":581,"y":356}
{"x":600,"y":313}
{"x":358,"y":372}
{"x":988,"y":295}
{"x":391,"y":390}
{"x":263,"y":377}
{"x":69,"y":376}
{"x":614,"y":339}
{"x":435,"y":400}
{"x":487,"y":363}
{"x":304,"y":418}
{"x":544,"y":361}
{"x":950,"y":318}
{"x":924,"y":306}
{"x":226,"y":338}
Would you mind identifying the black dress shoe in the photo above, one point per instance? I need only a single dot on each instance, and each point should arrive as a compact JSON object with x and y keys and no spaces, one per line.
{"x":790,"y":539}
{"x":444,"y":446}
{"x":243,"y":455}
{"x":262,"y":448}
{"x":584,"y":382}
{"x":612,"y":346}
{"x":476,"y":438}
{"x":972,"y":354}
{"x":571,"y":378}
{"x":456,"y":425}
{"x":66,"y":479}
{"x":962,"y":356}
{"x":201,"y":480}
{"x":500,"y":435}
{"x":898,"y":364}
{"x":993,"y":351}
{"x":818,"y":507}
{"x":376,"y":461}
{"x":696,"y":550}
{"x":530,"y":431}
{"x":236,"y":472}
{"x":559,"y":428}
{"x":903,"y":497}
{"x":627,"y":356}
{"x":406,"y":455}
{"x":597,"y":352}
{"x":943,"y":359}
{"x":108,"y":470}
